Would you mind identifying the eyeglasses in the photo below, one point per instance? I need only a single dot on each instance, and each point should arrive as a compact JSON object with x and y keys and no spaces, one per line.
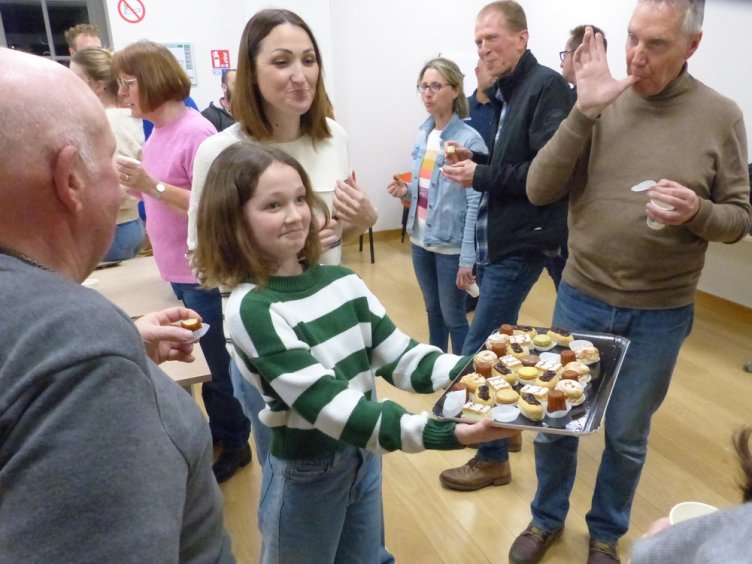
{"x":563,"y":54}
{"x":433,"y":87}
{"x":126,"y":82}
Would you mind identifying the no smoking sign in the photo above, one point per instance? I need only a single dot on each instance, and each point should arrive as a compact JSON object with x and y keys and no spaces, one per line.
{"x":132,"y":11}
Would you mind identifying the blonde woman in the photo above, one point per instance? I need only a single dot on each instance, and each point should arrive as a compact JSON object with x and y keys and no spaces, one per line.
{"x":94,"y":67}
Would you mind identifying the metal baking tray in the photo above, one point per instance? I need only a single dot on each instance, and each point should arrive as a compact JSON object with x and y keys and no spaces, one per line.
{"x":583,"y":419}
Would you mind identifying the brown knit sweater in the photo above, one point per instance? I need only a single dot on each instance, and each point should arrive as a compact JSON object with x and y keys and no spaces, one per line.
{"x":689,"y":134}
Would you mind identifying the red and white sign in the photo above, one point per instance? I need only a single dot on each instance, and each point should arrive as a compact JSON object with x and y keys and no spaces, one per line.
{"x":220,"y":58}
{"x":132,"y":11}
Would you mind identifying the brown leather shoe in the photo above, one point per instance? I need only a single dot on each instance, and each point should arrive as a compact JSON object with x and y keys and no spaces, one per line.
{"x":531,"y":545}
{"x":603,"y":552}
{"x":515,"y":442}
{"x":476,"y":474}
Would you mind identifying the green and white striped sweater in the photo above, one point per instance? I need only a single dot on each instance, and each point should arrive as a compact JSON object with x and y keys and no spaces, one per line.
{"x":317,"y":340}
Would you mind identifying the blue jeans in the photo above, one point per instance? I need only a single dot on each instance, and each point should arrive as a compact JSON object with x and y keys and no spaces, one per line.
{"x":656,"y":337}
{"x":226,"y":420}
{"x":322,"y":510}
{"x":504,"y":285}
{"x":126,"y":243}
{"x":445,"y":302}
{"x":252,"y":402}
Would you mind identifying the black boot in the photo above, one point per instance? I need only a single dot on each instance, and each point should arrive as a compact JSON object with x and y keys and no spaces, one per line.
{"x":230,"y":460}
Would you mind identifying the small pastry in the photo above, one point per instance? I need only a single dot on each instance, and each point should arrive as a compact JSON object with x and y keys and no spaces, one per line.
{"x":568,"y":356}
{"x":570,"y":375}
{"x":521,"y":339}
{"x":530,"y":360}
{"x":543,"y":342}
{"x":483,"y":362}
{"x":501,"y":370}
{"x":502,"y":391}
{"x":557,"y":401}
{"x":497,"y":343}
{"x":588,"y":355}
{"x":476,"y":411}
{"x":511,"y":362}
{"x":472,"y":381}
{"x":496,"y":383}
{"x":583,"y":372}
{"x":560,"y":336}
{"x":530,"y":407}
{"x":538,"y":392}
{"x":517,"y":350}
{"x":546,"y":365}
{"x":527,"y":374}
{"x":506,"y":396}
{"x":574,"y":391}
{"x":483,"y":396}
{"x":526,"y":329}
{"x":506,"y":329}
{"x":191,"y":324}
{"x":548,"y":379}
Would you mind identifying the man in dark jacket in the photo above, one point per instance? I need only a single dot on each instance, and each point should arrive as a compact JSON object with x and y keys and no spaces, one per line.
{"x":514,"y":237}
{"x":221,"y":116}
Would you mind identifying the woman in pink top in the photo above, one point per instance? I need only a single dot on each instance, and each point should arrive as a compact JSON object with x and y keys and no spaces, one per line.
{"x":153,"y":85}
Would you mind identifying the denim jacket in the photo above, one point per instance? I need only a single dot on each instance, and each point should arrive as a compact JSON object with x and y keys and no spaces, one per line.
{"x":452,"y":210}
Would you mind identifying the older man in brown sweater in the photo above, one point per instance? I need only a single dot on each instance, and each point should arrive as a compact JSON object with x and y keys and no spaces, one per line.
{"x":688,"y":142}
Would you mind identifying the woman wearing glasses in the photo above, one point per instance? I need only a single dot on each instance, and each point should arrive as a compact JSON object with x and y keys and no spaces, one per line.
{"x":94,"y":67}
{"x":442,"y":217}
{"x":153,"y":85}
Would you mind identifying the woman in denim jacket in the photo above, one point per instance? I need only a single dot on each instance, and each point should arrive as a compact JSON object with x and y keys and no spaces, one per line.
{"x":441,"y":222}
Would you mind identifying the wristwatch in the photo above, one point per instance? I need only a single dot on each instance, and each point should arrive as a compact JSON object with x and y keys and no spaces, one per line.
{"x":159,"y":190}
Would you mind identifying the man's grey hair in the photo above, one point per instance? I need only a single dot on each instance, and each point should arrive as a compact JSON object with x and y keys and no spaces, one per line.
{"x":694,"y":12}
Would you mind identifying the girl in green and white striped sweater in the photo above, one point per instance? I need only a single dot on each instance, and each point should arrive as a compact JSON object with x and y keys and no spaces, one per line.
{"x":312,"y":338}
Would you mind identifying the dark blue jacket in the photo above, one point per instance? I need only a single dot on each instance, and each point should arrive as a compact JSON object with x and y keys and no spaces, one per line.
{"x":538,"y":100}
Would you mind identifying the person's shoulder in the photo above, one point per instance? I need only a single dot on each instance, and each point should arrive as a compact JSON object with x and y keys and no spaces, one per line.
{"x":63,"y":320}
{"x":210,"y":111}
{"x":200,"y":122}
{"x":337,"y":130}
{"x":218,"y":142}
{"x":715,"y":103}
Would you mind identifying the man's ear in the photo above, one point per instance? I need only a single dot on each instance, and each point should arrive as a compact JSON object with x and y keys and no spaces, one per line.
{"x":67,"y":175}
{"x":694,"y":44}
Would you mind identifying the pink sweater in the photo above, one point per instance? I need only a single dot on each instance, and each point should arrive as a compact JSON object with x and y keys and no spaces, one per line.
{"x":168,"y":157}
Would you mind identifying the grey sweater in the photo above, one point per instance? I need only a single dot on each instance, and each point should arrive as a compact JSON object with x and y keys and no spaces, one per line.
{"x":722,"y":537}
{"x":102,"y":457}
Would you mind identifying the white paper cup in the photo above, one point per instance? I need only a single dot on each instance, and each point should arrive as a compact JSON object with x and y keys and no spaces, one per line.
{"x":657,"y":225}
{"x":505,"y":413}
{"x":689,"y":510}
{"x":473,"y":290}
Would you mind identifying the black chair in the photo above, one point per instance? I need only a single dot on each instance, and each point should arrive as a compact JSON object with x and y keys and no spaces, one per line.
{"x":370,"y":242}
{"x":405,"y":213}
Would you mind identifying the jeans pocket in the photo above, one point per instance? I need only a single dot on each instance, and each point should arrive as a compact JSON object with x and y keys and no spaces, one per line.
{"x":308,"y":469}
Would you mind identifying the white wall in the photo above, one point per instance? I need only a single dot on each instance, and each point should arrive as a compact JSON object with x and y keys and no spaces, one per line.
{"x":372,"y":52}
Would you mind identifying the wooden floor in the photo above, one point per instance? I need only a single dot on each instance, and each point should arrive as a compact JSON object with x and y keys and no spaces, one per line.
{"x":690,"y":455}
